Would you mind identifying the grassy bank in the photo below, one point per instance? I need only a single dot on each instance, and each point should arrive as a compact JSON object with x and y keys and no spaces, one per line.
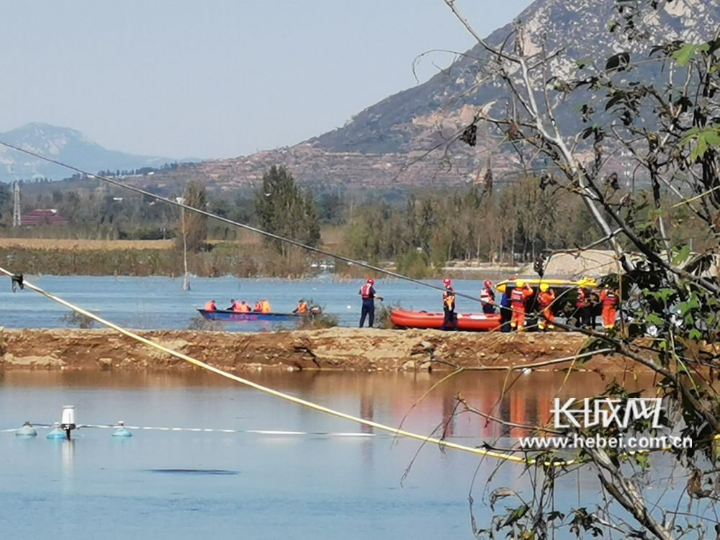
{"x":220,"y":260}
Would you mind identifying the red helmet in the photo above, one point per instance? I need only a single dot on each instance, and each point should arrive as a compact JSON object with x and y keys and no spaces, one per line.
{"x":488,"y":283}
{"x":447,"y":282}
{"x":371,"y":281}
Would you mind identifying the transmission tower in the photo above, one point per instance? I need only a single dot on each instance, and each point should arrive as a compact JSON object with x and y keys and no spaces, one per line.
{"x":17,"y":220}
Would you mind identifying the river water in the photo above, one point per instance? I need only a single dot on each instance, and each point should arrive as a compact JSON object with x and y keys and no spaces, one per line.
{"x":327,"y":479}
{"x":165,"y":484}
{"x":160,"y":302}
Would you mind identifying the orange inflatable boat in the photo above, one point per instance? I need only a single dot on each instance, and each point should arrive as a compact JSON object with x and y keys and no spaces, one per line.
{"x":474,"y":322}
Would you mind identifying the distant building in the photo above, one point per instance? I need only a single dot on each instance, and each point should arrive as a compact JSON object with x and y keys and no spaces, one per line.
{"x":40,"y":217}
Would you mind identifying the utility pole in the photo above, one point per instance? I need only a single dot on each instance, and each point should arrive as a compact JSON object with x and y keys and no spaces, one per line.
{"x":17,"y":220}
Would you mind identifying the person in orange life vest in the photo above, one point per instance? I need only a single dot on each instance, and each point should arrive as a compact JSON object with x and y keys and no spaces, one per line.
{"x":210,"y":306}
{"x":583,"y":307}
{"x":265,"y":306}
{"x":610,"y":300}
{"x":243,"y":307}
{"x":487,"y":298}
{"x":368,"y":294}
{"x":545,"y":300}
{"x":518,"y":297}
{"x":302,"y":308}
{"x":449,"y":306}
{"x":258,"y":306}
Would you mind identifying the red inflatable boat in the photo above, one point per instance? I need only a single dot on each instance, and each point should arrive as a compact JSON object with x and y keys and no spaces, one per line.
{"x":474,"y":322}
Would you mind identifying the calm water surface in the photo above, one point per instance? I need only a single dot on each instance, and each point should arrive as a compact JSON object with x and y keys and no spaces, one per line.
{"x":271,"y":486}
{"x":160,"y":302}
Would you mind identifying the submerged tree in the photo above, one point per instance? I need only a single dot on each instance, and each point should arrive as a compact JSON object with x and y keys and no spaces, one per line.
{"x":669,"y":128}
{"x":284,"y":209}
{"x":193,"y":226}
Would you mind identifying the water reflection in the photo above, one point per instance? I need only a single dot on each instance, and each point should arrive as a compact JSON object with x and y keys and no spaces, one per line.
{"x":314,"y":486}
{"x":384,"y":397}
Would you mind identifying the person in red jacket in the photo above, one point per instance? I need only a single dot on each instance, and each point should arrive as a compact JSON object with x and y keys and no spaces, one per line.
{"x":487,"y":298}
{"x":583,"y":307}
{"x":368,"y":295}
{"x":546,"y":298}
{"x":518,"y":297}
{"x":609,"y":300}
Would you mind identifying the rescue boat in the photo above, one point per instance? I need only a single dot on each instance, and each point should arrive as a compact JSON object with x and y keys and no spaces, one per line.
{"x":472,"y":322}
{"x":553,"y":283}
{"x":237,"y":316}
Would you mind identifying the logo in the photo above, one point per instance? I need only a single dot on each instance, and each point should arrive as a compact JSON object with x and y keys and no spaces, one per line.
{"x":606,"y":412}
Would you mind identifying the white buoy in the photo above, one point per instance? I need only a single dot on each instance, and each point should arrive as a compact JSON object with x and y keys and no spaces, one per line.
{"x":67,"y":420}
{"x":349,"y":307}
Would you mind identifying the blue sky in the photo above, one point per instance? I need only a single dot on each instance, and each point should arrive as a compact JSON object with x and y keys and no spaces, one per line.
{"x":219,"y":78}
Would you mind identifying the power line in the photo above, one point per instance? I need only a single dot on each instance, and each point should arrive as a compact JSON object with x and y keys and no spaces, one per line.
{"x":231,"y":222}
{"x":503,"y":456}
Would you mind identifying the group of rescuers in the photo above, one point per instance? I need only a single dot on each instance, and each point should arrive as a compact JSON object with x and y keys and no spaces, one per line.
{"x":513,"y":305}
{"x":261,"y":306}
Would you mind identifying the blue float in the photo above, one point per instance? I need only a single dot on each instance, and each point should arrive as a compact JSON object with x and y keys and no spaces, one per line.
{"x":57,"y":433}
{"x":26,"y":431}
{"x":121,"y":431}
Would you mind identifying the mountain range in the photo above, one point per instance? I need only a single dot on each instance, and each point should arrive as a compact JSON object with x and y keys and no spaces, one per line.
{"x":64,"y":144}
{"x":400,"y":141}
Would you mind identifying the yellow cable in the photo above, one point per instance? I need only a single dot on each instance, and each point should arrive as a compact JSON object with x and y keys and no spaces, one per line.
{"x":282,"y":395}
{"x":287,"y":397}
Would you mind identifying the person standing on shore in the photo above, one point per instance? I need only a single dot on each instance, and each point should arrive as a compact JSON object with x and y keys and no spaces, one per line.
{"x":487,"y":298}
{"x":505,"y":308}
{"x":583,"y":307}
{"x":546,"y":298}
{"x":518,"y":297}
{"x":449,"y":306}
{"x":609,"y":299}
{"x":368,"y":294}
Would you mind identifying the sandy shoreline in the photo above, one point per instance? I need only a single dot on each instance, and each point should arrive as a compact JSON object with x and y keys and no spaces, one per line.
{"x":333,"y":349}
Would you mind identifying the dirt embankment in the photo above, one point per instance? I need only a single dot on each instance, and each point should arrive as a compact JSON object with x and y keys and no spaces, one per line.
{"x":336,"y":348}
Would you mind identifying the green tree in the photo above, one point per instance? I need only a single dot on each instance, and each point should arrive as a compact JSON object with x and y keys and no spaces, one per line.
{"x":666,"y":124}
{"x":286,"y":210}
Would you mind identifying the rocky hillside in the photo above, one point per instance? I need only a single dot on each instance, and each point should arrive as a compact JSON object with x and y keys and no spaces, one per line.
{"x":400,"y":141}
{"x":63,"y":144}
{"x":391,"y":143}
{"x":416,"y":118}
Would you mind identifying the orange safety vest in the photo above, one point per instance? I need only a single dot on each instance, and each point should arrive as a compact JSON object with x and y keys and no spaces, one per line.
{"x":449,"y":300}
{"x":210,"y":306}
{"x":258,"y":306}
{"x":243,"y":308}
{"x":266,"y":307}
{"x":302,"y":308}
{"x":609,"y":298}
{"x":545,"y":299}
{"x":517,"y":297}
